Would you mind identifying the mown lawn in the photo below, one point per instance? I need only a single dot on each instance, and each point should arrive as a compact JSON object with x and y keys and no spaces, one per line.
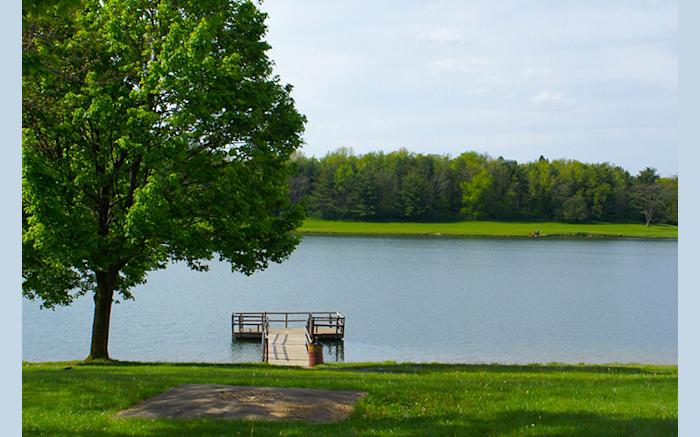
{"x":491,"y":229}
{"x":404,"y":399}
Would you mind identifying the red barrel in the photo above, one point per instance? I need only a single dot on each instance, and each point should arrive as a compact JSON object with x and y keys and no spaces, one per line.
{"x":315,"y":354}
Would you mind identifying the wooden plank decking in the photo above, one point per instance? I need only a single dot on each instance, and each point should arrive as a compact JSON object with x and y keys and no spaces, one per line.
{"x":287,"y":347}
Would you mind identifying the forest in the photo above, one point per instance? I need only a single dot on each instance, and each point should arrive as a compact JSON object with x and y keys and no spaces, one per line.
{"x":402,"y":185}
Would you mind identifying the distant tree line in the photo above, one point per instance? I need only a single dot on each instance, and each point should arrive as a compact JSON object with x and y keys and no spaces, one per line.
{"x":416,"y":187}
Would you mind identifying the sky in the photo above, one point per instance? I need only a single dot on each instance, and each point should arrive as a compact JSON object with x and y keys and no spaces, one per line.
{"x":592,"y":80}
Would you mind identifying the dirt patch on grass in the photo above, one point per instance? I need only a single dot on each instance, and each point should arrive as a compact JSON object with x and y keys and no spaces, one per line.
{"x":250,"y":403}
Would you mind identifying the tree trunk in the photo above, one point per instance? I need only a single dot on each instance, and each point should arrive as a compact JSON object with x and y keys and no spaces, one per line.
{"x":103,"y":308}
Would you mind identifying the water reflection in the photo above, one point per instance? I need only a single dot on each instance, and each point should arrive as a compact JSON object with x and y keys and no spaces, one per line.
{"x":246,"y":351}
{"x":508,"y":301}
{"x":334,"y":351}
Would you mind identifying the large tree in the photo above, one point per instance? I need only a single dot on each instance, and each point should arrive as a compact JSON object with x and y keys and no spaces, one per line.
{"x":153,"y":131}
{"x":648,"y":195}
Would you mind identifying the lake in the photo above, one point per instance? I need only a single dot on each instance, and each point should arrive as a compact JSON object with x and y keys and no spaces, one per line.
{"x":404,"y":299}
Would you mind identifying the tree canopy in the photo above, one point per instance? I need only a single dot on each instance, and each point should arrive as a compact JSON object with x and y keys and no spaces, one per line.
{"x":407,"y":186}
{"x":153,"y":131}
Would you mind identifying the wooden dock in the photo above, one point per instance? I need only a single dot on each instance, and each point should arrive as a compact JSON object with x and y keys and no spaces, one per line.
{"x":287,"y":347}
{"x":284,"y":336}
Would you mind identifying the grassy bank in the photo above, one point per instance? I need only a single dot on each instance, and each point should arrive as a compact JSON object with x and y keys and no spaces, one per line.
{"x":403,"y":399}
{"x":491,"y":229}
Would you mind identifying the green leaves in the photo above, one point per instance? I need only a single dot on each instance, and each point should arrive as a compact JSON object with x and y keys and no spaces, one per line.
{"x":155,"y":131}
{"x":406,"y":186}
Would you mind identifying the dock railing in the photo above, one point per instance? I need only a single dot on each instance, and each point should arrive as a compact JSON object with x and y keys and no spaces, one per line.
{"x":319,"y":324}
{"x":326,"y":324}
{"x":247,"y":325}
{"x":307,"y":332}
{"x":264,"y":337}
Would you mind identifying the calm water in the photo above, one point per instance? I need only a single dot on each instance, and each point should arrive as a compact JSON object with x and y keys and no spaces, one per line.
{"x":405,"y":299}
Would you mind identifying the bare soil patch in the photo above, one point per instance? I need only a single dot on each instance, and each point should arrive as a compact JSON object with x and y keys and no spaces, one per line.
{"x":190,"y":401}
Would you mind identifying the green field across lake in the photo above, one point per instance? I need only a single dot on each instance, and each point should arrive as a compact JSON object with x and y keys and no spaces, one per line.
{"x":491,"y":229}
{"x":402,"y":399}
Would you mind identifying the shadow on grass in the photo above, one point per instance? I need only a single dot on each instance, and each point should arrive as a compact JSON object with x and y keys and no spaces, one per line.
{"x":518,"y":422}
{"x":91,"y":392}
{"x":170,"y":364}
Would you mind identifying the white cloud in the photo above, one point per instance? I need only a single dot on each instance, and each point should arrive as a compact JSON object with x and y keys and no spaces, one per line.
{"x":451,"y":65}
{"x":445,"y":35}
{"x":441,"y":75}
{"x":481,"y":74}
{"x":536,"y":71}
{"x":329,"y":126}
{"x":552,"y":100}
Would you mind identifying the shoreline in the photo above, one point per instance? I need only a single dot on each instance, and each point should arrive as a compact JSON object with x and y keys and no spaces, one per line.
{"x":363,"y":364}
{"x":558,"y":237}
{"x":491,"y":229}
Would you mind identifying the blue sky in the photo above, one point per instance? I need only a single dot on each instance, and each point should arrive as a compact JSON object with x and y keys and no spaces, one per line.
{"x":589,"y":80}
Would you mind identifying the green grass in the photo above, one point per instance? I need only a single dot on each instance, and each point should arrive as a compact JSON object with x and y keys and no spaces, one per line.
{"x":402,"y":400}
{"x":491,"y":229}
